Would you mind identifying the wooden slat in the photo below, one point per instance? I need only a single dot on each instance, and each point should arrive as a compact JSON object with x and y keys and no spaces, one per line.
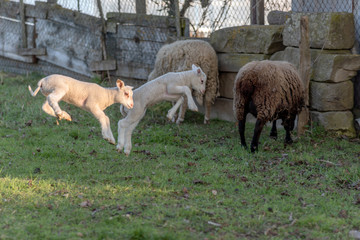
{"x":106,"y":65}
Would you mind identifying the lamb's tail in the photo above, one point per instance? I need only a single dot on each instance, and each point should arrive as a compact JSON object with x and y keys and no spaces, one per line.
{"x":33,"y":93}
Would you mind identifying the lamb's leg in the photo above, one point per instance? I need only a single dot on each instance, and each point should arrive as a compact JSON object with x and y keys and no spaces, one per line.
{"x":258,"y":128}
{"x":128,"y":134}
{"x":273,"y":132}
{"x":105,"y":125}
{"x":125,"y":129}
{"x":182,"y":111}
{"x":184,"y":90}
{"x":53,"y":100}
{"x":173,"y":110}
{"x":47,"y":108}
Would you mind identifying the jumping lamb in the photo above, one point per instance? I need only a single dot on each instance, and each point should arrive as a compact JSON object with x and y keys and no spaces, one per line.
{"x":168,"y":87}
{"x":88,"y":96}
{"x":179,"y":56}
{"x":269,"y":90}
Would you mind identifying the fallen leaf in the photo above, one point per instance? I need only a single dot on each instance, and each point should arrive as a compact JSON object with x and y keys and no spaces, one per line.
{"x":28,"y":123}
{"x":190,"y":164}
{"x":214,"y":192}
{"x":214,"y":224}
{"x":196,"y":181}
{"x":85,"y":204}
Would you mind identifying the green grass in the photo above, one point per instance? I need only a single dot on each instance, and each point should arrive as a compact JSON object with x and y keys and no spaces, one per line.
{"x":191,"y":181}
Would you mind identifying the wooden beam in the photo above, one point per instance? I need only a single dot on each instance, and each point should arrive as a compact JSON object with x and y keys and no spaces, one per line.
{"x":305,"y":71}
{"x":23,"y":25}
{"x":257,"y":12}
{"x":32,"y":51}
{"x":140,"y":6}
{"x":105,"y":65}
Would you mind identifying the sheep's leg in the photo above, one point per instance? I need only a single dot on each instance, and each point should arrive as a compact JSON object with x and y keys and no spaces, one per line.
{"x":207,"y":111}
{"x":47,"y":108}
{"x":184,"y":90}
{"x":53,"y":100}
{"x":255,"y":141}
{"x":105,"y":125}
{"x":241,"y":125}
{"x":273,"y":132}
{"x":289,"y":126}
{"x":173,"y":110}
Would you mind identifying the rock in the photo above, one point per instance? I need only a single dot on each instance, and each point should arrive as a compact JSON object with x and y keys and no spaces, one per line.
{"x":226,"y":82}
{"x":333,"y":30}
{"x":331,"y":96}
{"x":232,"y":62}
{"x":354,"y":234}
{"x":265,"y":39}
{"x":341,"y":123}
{"x":278,"y":17}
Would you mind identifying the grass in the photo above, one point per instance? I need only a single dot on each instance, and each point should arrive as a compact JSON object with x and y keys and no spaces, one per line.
{"x":191,"y":181}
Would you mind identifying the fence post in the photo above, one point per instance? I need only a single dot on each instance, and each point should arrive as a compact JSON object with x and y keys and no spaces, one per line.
{"x":103,"y":33}
{"x":140,"y":6}
{"x":257,"y":12}
{"x":305,"y":68}
{"x":23,"y":25}
{"x":177,"y":18}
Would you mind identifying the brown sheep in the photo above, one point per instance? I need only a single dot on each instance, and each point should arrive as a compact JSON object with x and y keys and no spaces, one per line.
{"x":180,"y":56}
{"x":269,"y":90}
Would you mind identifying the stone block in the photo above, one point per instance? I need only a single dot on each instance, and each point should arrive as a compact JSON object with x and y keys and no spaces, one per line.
{"x":232,"y":62}
{"x":333,"y":30}
{"x":339,"y":122}
{"x":331,"y":96}
{"x":226,"y":82}
{"x":265,"y":39}
{"x":222,"y":109}
{"x":327,"y":65}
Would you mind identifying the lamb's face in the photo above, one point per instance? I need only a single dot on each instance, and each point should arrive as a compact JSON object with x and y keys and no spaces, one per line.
{"x":124,"y":95}
{"x":199,"y":82}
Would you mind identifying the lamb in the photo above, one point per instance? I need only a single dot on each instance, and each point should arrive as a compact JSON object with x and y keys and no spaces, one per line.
{"x":88,"y":96}
{"x":269,"y":90}
{"x":169,"y":87}
{"x":179,"y":56}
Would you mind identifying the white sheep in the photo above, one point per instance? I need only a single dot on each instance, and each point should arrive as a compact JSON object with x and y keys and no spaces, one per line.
{"x":169,"y":87}
{"x":88,"y":96}
{"x":179,"y":56}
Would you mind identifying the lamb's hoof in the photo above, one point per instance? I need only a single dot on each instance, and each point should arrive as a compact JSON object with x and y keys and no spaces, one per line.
{"x":110,"y":141}
{"x":64,"y":115}
{"x":127,"y":152}
{"x":206,"y":121}
{"x":170,"y":117}
{"x":179,"y":121}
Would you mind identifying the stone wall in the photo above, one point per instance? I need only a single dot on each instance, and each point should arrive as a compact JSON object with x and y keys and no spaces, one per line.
{"x":333,"y":65}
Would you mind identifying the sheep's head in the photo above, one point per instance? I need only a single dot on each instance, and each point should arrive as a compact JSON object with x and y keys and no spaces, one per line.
{"x":125,"y":94}
{"x":199,"y":82}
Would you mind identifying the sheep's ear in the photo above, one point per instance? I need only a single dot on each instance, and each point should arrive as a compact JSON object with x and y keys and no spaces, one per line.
{"x":120,"y":84}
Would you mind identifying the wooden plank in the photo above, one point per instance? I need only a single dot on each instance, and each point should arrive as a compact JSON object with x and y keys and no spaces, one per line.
{"x":32,"y":51}
{"x":141,"y":19}
{"x":106,"y":65}
{"x":305,"y":71}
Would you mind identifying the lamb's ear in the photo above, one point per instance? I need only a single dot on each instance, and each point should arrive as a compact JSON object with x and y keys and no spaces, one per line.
{"x":194,"y":67}
{"x":120,"y":84}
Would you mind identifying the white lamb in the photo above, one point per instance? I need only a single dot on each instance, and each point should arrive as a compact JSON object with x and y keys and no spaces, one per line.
{"x":169,"y":87}
{"x":88,"y":96}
